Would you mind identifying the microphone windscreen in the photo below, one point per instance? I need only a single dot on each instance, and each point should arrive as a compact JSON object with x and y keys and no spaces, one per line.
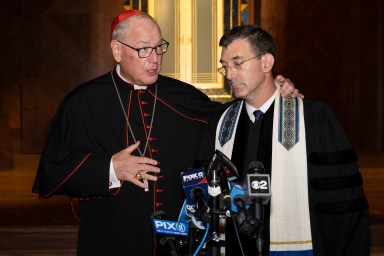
{"x":159,"y":214}
{"x":255,"y":167}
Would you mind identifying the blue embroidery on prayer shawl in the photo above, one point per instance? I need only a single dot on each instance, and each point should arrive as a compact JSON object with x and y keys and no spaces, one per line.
{"x":288,"y":122}
{"x":228,"y":123}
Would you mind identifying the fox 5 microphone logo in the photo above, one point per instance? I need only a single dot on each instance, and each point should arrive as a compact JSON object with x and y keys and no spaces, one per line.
{"x":192,"y":177}
{"x":259,"y":185}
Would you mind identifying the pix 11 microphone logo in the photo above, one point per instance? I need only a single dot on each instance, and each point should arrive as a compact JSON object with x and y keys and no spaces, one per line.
{"x":171,"y":227}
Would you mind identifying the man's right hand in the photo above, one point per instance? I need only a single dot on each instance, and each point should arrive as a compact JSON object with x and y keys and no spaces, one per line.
{"x":127,"y":167}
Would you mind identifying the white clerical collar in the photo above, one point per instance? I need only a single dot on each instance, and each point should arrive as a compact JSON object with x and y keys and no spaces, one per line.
{"x":263,"y":108}
{"x":135,"y":86}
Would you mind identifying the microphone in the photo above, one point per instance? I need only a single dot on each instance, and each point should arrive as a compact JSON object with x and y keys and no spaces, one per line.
{"x":220,"y":172}
{"x":195,"y":188}
{"x":257,"y":193}
{"x":219,"y":159}
{"x":225,"y":190}
{"x":257,"y":184}
{"x":244,"y":221}
{"x":202,"y":209}
{"x":237,"y":192}
{"x":164,"y":231}
{"x":194,"y":226}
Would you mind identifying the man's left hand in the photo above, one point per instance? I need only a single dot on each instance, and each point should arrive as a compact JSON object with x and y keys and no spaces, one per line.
{"x":287,"y":88}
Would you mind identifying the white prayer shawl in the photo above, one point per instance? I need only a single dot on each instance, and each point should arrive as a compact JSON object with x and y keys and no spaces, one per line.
{"x":290,"y":230}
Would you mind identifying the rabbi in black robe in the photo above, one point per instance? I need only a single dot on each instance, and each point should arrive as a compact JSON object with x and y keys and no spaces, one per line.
{"x":302,"y":147}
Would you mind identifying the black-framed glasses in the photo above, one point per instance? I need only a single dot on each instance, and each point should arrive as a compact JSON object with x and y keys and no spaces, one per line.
{"x":236,"y":66}
{"x":145,"y":52}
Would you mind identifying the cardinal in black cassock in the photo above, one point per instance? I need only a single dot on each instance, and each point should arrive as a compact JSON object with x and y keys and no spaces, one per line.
{"x":90,"y":126}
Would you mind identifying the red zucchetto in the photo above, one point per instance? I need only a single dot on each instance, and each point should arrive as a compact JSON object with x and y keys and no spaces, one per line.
{"x":122,"y":16}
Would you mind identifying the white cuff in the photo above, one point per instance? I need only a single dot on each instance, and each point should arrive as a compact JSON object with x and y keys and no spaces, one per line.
{"x":113,"y":181}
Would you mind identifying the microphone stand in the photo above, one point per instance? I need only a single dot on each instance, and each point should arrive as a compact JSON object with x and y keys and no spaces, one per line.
{"x":214,"y":183}
{"x":258,"y":214}
{"x":170,"y":243}
{"x":191,"y":238}
{"x":218,"y":182}
{"x":213,"y":244}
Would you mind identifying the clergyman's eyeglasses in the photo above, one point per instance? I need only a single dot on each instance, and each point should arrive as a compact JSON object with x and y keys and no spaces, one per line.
{"x":145,"y":52}
{"x":236,"y":66}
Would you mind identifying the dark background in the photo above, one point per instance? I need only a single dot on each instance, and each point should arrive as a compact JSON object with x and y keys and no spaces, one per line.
{"x":331,"y":49}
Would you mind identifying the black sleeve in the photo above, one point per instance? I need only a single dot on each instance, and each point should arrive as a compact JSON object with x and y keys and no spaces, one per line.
{"x":68,"y":164}
{"x":338,"y":206}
